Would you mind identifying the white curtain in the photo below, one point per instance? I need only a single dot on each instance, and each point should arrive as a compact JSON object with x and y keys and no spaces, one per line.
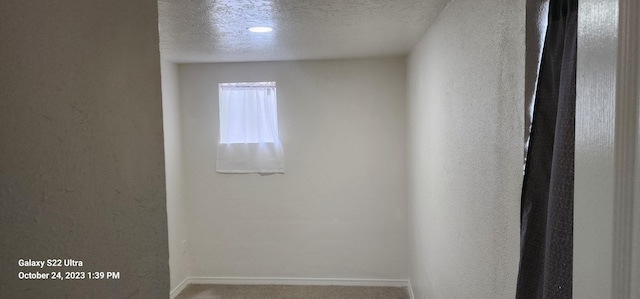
{"x":248,"y":140}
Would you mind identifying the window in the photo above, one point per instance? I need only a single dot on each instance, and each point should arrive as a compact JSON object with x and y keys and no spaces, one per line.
{"x":248,"y":138}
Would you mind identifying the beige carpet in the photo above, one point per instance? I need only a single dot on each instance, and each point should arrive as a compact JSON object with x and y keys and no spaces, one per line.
{"x":208,"y":291}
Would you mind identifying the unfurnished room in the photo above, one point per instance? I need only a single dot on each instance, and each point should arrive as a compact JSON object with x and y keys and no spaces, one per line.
{"x":404,"y":149}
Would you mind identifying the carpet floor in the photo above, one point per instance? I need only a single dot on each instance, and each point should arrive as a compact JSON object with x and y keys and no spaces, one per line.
{"x":218,"y":291}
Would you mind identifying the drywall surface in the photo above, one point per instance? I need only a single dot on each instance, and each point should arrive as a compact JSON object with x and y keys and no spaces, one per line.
{"x":176,"y":203}
{"x":82,"y":171}
{"x":213,"y":31}
{"x":466,"y":97}
{"x":339,"y":210}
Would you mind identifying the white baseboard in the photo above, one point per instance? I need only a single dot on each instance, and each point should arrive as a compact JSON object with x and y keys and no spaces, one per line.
{"x":359,"y":282}
{"x":410,"y":289}
{"x":301,"y":281}
{"x":179,"y":288}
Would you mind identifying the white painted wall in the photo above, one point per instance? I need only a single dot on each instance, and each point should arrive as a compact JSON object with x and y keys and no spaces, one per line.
{"x":81,"y":156}
{"x":339,"y":211}
{"x":635,"y":271}
{"x":176,"y":202}
{"x":466,"y":97}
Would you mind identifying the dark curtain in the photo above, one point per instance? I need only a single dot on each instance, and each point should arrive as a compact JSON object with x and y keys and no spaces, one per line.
{"x":546,"y":227}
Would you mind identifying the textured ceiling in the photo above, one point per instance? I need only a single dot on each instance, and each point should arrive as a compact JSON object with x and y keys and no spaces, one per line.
{"x":216,"y":31}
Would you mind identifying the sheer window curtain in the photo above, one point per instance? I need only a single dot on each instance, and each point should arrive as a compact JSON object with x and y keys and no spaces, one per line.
{"x":249,"y":140}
